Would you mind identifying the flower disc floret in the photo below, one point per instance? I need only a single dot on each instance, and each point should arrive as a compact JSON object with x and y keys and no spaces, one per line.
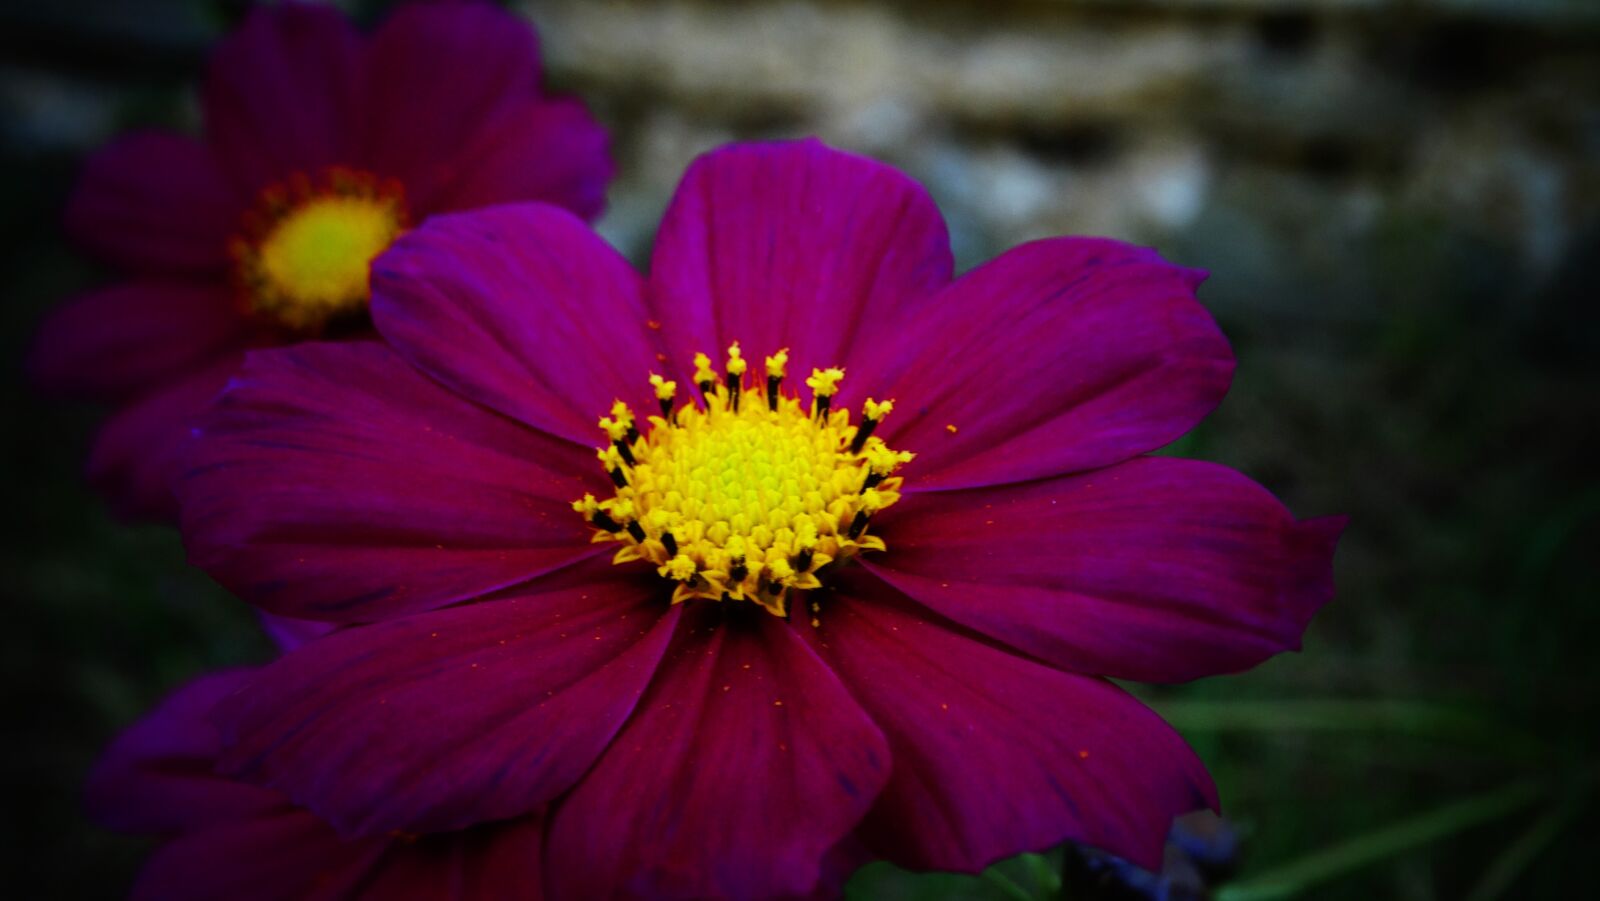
{"x":751,"y":494}
{"x":305,"y":249}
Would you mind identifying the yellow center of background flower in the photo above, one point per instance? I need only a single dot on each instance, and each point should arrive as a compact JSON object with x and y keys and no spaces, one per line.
{"x":307,"y":248}
{"x":750,"y":495}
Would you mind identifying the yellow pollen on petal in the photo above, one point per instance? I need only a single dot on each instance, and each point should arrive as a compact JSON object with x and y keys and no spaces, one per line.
{"x":747,"y":497}
{"x":303,"y":254}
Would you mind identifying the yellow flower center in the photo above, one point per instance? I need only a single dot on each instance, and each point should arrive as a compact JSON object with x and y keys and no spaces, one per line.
{"x":306,"y":248}
{"x":749,"y":496}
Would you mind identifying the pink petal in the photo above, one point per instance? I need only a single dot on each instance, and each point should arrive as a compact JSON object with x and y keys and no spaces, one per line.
{"x":445,"y":719}
{"x":288,"y":854}
{"x":157,"y":776}
{"x":1060,"y":356}
{"x":288,"y":633}
{"x":552,"y":151}
{"x":155,"y":202}
{"x":1157,"y":569}
{"x":995,"y":755}
{"x":486,"y":863}
{"x":523,"y":309}
{"x":135,"y":454}
{"x":129,"y":338}
{"x":793,"y":245}
{"x":745,"y":762}
{"x":282,"y":94}
{"x":436,"y":75}
{"x":333,"y":482}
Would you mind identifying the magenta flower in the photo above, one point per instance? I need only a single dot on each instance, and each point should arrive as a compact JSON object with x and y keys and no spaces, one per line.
{"x":760,"y":625}
{"x":320,"y":147}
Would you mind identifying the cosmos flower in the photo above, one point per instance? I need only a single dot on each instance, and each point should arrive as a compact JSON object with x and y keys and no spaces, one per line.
{"x":864,"y":578}
{"x":320,"y":147}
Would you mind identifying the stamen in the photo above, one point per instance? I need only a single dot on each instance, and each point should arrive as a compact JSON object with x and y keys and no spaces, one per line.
{"x":872,"y":413}
{"x":736,"y":367}
{"x":665,"y":391}
{"x":881,"y":462}
{"x":621,"y":413}
{"x":618,"y":433}
{"x":704,"y":377}
{"x":611,"y":459}
{"x":775,"y":366}
{"x":824,"y":384}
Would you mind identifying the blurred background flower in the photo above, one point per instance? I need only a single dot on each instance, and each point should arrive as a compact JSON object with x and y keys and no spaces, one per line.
{"x":1399,"y":202}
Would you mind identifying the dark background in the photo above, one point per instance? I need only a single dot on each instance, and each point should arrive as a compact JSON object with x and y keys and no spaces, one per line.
{"x":1400,"y":206}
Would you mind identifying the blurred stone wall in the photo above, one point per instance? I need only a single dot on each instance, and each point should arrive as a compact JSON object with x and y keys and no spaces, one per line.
{"x":1272,"y":140}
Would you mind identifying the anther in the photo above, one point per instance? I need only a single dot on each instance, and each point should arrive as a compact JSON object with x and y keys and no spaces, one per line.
{"x":738,"y":572}
{"x":824,"y":384}
{"x":775,"y":367}
{"x":618,"y":432}
{"x":704,"y":377}
{"x":624,"y":416}
{"x":611,"y":459}
{"x":871,"y":502}
{"x":595,"y":514}
{"x":637,"y":531}
{"x":881,"y":463}
{"x":665,"y":391}
{"x":670,"y":543}
{"x":872,"y":413}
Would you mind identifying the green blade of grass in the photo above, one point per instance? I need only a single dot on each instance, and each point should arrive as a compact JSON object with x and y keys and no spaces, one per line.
{"x":1527,"y":848}
{"x":1290,"y":879}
